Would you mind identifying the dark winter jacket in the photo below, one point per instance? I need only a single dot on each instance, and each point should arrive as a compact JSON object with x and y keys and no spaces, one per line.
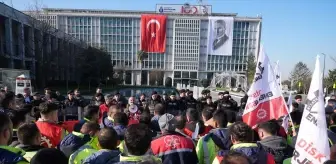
{"x":103,"y":156}
{"x":173,"y":148}
{"x":120,"y":129}
{"x":191,"y":102}
{"x":174,"y":107}
{"x":191,"y":126}
{"x":107,"y":123}
{"x":278,"y":147}
{"x":73,"y":142}
{"x":155,"y":123}
{"x":78,"y":126}
{"x":254,"y":151}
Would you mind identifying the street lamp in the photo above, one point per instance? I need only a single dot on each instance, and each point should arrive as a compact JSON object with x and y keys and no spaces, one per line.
{"x":324,"y":57}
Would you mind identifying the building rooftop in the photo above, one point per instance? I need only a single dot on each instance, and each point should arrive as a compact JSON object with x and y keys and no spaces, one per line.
{"x":103,"y":11}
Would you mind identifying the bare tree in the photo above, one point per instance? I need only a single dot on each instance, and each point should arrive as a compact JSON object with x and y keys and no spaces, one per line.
{"x":301,"y":74}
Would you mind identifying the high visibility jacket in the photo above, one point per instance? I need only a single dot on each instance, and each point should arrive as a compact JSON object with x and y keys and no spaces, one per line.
{"x":209,"y":145}
{"x":138,"y":159}
{"x":12,"y":155}
{"x":29,"y":155}
{"x":256,"y":154}
{"x":51,"y":133}
{"x":84,"y":151}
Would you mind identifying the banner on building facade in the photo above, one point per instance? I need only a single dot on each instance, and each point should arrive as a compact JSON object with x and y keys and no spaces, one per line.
{"x":184,"y":9}
{"x":153,"y":33}
{"x":220,"y":35}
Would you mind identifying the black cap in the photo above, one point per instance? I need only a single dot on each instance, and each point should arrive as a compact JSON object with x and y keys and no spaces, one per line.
{"x":220,"y":93}
{"x":70,"y":92}
{"x":36,"y":94}
{"x":172,"y":94}
{"x":182,"y":91}
{"x":204,"y":92}
{"x":226,"y":93}
{"x":190,"y":92}
{"x":154,"y":93}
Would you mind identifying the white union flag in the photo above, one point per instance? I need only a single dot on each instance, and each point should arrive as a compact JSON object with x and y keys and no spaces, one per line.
{"x":312,"y":144}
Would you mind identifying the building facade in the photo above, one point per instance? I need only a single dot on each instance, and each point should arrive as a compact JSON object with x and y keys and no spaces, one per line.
{"x":29,"y":44}
{"x":186,"y":59}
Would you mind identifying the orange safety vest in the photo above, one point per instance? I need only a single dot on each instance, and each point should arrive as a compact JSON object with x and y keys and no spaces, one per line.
{"x":51,"y":133}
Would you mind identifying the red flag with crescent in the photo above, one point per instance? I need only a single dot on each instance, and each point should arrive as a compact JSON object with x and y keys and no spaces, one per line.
{"x":153,"y":33}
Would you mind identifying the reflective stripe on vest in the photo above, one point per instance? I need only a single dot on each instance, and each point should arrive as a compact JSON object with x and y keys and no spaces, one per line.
{"x":206,"y":154}
{"x":75,"y":154}
{"x":29,"y":155}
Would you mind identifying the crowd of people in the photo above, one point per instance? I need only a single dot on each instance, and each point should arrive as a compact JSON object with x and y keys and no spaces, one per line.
{"x":167,"y":128}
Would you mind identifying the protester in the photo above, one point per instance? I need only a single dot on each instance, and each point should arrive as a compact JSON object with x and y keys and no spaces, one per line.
{"x":298,"y":99}
{"x":84,"y":151}
{"x":159,"y":110}
{"x":217,"y":139}
{"x":242,"y":139}
{"x":109,"y":153}
{"x":273,"y":144}
{"x":236,"y":158}
{"x":18,"y":118}
{"x":138,"y":142}
{"x":331,"y":106}
{"x":332,"y":126}
{"x":133,"y":112}
{"x":27,"y":96}
{"x":75,"y":140}
{"x":49,"y":156}
{"x":8,"y":103}
{"x":29,"y":138}
{"x":98,"y":99}
{"x":193,"y":121}
{"x":109,"y":121}
{"x":36,"y":99}
{"x":104,"y":108}
{"x":180,"y":123}
{"x":50,"y":130}
{"x":120,"y":124}
{"x":90,"y":114}
{"x":171,"y":146}
{"x":145,"y":118}
{"x":9,"y":154}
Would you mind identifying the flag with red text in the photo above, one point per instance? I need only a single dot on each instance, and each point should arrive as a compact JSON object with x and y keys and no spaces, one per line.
{"x":153,"y":33}
{"x":265,"y":100}
{"x":312,"y":144}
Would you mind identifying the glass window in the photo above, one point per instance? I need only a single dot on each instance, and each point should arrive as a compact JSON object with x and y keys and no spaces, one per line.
{"x":185,"y":74}
{"x":177,"y":74}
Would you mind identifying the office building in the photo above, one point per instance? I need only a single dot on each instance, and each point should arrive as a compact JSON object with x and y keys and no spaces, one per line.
{"x":27,"y":44}
{"x":186,"y":59}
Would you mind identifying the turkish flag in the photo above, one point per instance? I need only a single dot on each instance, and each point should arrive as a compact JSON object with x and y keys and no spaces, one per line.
{"x":153,"y":33}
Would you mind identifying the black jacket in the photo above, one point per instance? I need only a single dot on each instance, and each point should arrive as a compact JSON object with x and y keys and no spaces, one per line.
{"x":278,"y":147}
{"x":191,"y":102}
{"x":174,"y":107}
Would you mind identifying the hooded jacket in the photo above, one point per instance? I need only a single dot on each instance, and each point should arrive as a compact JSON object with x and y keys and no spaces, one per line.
{"x":209,"y":145}
{"x":278,"y":147}
{"x":103,"y":156}
{"x":73,"y":142}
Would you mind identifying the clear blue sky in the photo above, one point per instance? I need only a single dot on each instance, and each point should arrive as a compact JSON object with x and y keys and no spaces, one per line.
{"x":293,"y":30}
